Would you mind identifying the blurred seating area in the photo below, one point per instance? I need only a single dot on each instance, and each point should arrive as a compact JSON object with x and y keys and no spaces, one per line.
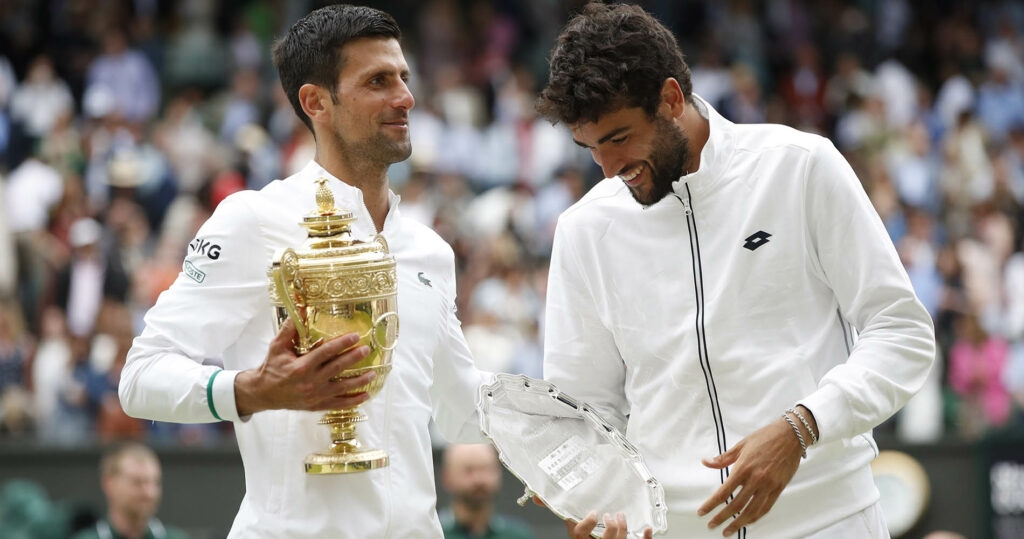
{"x":123,"y":123}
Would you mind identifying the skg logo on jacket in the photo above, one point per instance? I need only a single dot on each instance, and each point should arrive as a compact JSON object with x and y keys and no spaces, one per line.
{"x":200,"y":246}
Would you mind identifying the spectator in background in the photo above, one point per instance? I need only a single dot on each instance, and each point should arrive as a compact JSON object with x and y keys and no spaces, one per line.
{"x":240,"y":104}
{"x":41,"y":99}
{"x":8,"y":82}
{"x":32,"y":191}
{"x":1001,"y":97}
{"x":471,"y":475}
{"x":130,"y":477}
{"x":93,"y":276}
{"x":16,"y":417}
{"x":129,"y":75}
{"x":976,"y":365}
{"x":51,"y":372}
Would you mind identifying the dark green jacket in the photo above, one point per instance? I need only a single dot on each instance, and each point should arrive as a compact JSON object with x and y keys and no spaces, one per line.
{"x":103,"y":530}
{"x":500,"y":528}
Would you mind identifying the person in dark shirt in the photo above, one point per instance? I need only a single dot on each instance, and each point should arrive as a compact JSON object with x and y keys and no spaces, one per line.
{"x":471,"y":474}
{"x":131,"y":480}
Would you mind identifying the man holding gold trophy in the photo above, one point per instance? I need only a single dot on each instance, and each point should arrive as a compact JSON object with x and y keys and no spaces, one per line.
{"x":298,"y":289}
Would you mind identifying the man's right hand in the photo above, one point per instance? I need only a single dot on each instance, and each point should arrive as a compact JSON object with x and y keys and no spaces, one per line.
{"x":290,"y":382}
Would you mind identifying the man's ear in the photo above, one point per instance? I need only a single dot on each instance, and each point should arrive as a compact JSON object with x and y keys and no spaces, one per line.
{"x":672,"y":99}
{"x":314,"y":101}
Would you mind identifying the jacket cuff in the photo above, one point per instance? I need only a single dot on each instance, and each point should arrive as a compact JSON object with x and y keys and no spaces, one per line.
{"x":220,"y":395}
{"x":828,"y":406}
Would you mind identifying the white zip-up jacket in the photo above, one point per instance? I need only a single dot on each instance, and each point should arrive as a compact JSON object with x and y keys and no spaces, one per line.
{"x":766,"y":279}
{"x":219,"y":307}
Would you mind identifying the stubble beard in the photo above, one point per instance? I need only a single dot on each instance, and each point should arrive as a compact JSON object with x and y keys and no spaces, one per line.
{"x":383,"y":150}
{"x":666,"y":162}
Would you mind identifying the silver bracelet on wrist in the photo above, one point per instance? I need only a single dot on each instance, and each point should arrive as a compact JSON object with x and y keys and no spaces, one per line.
{"x":794,"y":411}
{"x":803,"y":445}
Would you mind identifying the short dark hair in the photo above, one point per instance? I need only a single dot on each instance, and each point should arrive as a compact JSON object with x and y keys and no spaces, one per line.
{"x":609,"y":57}
{"x":311,"y":50}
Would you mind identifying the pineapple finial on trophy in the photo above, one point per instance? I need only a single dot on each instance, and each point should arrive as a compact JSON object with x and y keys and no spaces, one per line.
{"x":324,"y":198}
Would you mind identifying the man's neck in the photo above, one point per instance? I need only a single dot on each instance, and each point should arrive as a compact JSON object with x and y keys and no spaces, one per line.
{"x":476,"y":521}
{"x":128,"y":527}
{"x":371,"y":180}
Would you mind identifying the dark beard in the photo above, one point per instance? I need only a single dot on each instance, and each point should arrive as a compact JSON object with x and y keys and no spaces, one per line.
{"x":474,"y":500}
{"x":670,"y":152}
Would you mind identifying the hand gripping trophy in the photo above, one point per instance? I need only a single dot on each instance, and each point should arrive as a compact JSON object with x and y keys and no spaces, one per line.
{"x":333,"y":285}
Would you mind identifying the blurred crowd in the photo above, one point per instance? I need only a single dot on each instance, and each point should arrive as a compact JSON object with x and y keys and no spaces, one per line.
{"x":123,"y":123}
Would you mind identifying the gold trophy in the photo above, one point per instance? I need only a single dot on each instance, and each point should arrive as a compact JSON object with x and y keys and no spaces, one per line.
{"x":331,"y":286}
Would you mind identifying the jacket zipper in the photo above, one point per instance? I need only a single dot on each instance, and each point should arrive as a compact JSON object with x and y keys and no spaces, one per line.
{"x":702,"y":347}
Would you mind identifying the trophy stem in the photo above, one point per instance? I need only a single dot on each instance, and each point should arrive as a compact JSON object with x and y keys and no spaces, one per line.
{"x":343,"y":429}
{"x":345,"y":454}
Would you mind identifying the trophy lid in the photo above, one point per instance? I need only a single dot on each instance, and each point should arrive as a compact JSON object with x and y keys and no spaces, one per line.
{"x":331,"y":266}
{"x":327,"y":219}
{"x":329,"y":234}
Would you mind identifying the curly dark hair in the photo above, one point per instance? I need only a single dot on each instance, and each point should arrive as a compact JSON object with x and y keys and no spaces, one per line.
{"x":311,"y":50}
{"x":609,"y":57}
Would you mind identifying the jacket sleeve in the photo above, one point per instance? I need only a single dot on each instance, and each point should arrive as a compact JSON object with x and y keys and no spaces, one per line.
{"x":580,"y":355}
{"x":221,"y":288}
{"x":455,"y":390}
{"x":895,"y":348}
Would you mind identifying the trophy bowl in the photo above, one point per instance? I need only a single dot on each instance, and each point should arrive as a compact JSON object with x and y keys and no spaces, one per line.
{"x":330,"y":286}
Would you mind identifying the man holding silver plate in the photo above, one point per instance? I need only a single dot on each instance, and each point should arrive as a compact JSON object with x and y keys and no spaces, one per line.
{"x":300,"y":290}
{"x":728,"y":298}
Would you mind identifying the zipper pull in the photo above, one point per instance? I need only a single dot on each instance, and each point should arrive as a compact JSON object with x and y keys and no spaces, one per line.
{"x":686,"y":206}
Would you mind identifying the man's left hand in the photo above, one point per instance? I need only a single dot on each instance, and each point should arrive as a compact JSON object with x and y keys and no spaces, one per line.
{"x":615,"y":527}
{"x":762,"y":464}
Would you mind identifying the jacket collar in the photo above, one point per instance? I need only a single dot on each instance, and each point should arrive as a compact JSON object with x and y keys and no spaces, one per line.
{"x":714,"y":157}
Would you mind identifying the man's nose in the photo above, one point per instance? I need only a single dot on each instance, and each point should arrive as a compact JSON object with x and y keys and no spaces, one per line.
{"x":404,"y":100}
{"x":610,"y":164}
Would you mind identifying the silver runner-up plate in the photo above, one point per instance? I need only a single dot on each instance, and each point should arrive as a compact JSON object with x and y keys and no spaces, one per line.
{"x":568,"y":455}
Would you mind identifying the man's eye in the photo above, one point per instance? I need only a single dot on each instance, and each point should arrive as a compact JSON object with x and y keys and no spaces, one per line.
{"x":618,"y":140}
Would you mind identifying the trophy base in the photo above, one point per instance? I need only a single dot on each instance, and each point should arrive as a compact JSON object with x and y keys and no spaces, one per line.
{"x":354,"y":462}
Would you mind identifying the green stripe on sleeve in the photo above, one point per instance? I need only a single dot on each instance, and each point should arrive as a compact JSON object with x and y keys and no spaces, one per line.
{"x":209,"y":395}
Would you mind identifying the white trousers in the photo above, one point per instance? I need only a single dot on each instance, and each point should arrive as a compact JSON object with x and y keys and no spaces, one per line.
{"x":867,"y":524}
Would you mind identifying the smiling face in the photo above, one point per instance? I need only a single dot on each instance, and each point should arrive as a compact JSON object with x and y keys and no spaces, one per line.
{"x":647,"y":154}
{"x":367,"y":118}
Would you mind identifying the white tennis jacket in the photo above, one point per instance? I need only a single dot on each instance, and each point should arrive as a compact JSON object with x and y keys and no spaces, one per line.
{"x":766,"y":279}
{"x":219,"y":308}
